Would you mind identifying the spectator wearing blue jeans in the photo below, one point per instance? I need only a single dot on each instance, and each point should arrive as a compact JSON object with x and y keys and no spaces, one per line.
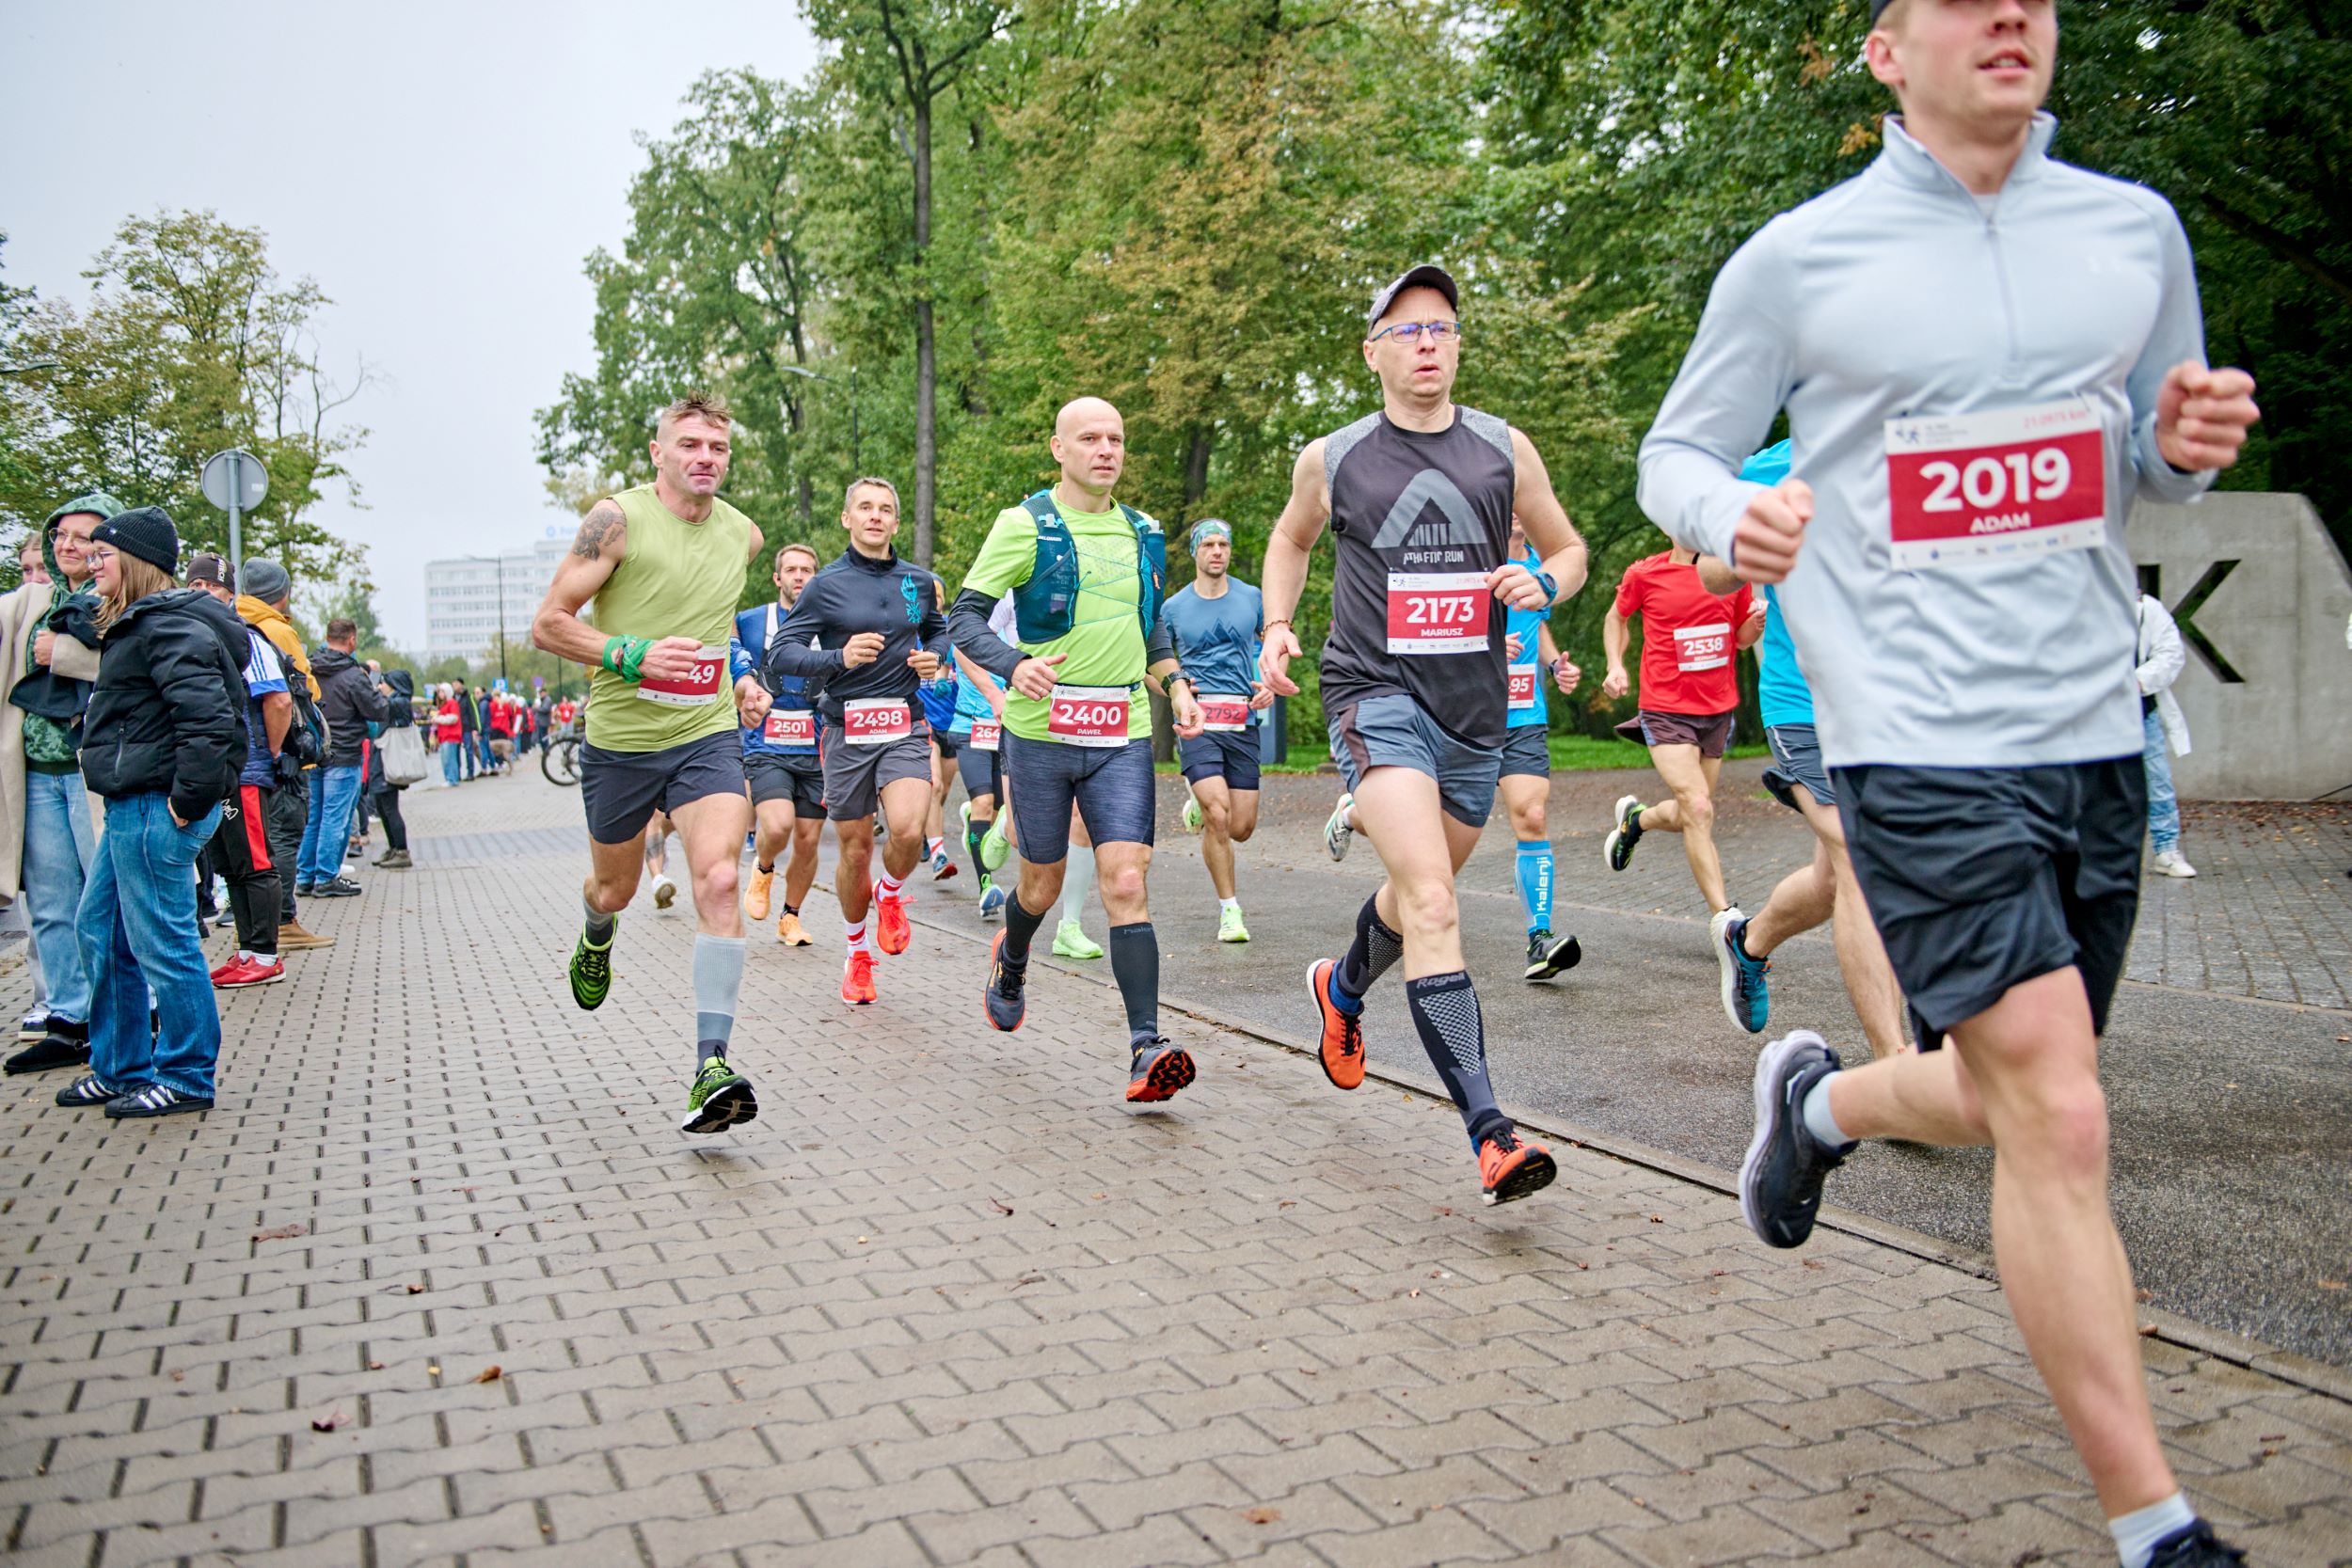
{"x":163,"y":742}
{"x":48,"y":673}
{"x":351,"y":699}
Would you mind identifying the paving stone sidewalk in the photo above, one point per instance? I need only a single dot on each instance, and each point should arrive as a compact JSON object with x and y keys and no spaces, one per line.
{"x":440,"y":1281}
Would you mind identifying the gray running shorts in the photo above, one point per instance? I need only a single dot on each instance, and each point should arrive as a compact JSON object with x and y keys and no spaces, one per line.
{"x":855,"y":776}
{"x":1527,"y":751}
{"x":1394,"y":731}
{"x":1797,"y":760}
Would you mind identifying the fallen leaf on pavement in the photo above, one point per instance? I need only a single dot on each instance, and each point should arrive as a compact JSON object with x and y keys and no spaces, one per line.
{"x":1000,"y":1206}
{"x":2147,"y":1331}
{"x":416,"y":1289}
{"x":375,"y":1366}
{"x":330,"y":1424}
{"x":490,"y":1375}
{"x":1261,"y":1516}
{"x":280,"y":1232}
{"x":2331,"y":1284}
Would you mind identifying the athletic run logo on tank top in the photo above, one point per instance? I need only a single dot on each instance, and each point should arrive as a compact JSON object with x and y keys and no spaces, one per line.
{"x":1420,"y":518}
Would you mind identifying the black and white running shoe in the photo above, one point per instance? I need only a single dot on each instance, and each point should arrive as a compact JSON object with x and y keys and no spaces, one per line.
{"x":1780,"y":1181}
{"x":1550,"y":956}
{"x":155,"y":1101}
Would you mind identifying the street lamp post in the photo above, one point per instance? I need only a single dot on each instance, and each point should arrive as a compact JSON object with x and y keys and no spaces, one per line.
{"x":499,"y":561}
{"x":856,"y":462}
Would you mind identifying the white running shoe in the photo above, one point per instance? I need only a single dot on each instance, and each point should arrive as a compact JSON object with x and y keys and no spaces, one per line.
{"x":1192,"y":810}
{"x":1337,"y":834}
{"x":2171,"y":864}
{"x":664,"y":893}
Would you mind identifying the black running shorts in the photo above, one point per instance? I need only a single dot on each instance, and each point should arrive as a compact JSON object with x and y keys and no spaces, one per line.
{"x":621,"y":790}
{"x":1981,"y":878}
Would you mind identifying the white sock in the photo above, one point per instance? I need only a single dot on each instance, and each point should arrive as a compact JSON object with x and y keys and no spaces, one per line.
{"x":1817,"y":1120}
{"x":933,"y":846}
{"x":2137,"y":1532}
{"x":889,"y":885}
{"x":1077,"y":882}
{"x":1224,"y":904}
{"x":855,"y":934}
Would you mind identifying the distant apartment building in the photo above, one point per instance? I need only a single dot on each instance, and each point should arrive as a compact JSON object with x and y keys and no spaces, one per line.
{"x":462,"y":596}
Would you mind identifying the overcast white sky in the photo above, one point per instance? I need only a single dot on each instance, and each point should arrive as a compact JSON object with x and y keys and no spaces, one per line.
{"x":440,"y":169}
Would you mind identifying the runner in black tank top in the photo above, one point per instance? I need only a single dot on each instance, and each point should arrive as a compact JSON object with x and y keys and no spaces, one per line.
{"x":1420,"y":496}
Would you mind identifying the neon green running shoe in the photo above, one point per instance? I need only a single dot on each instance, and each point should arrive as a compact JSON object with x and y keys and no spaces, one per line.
{"x":1192,"y":811}
{"x":592,"y":970}
{"x":995,"y":848}
{"x":1071,"y":942}
{"x":1228,"y":926}
{"x":719,"y":1098}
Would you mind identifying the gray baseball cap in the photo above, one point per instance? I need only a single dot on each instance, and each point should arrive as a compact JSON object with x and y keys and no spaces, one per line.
{"x":1427,"y":275}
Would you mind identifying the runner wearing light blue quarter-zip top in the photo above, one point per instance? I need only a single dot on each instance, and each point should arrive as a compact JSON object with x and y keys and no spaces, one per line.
{"x":1985,"y":356}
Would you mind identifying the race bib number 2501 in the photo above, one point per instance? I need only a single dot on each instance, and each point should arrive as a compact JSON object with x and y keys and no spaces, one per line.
{"x":1966,"y":489}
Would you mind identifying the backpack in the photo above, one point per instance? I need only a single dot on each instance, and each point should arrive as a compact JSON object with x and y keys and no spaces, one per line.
{"x":1047,"y":604}
{"x":306,"y":736}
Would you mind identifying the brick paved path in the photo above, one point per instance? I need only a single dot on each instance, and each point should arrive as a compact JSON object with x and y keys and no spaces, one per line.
{"x":949,"y":1302}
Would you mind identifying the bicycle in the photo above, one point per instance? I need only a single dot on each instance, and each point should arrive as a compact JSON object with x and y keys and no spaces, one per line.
{"x":559,"y":760}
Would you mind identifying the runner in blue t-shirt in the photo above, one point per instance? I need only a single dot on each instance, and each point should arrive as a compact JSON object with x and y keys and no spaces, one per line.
{"x":780,"y":761}
{"x":979,"y":727}
{"x":1526,"y":782}
{"x":942,"y":700}
{"x":1216,"y":620}
{"x":1824,"y":889}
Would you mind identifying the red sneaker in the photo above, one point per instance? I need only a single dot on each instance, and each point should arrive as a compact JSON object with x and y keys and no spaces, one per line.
{"x":231,"y":964}
{"x":1509,"y":1169}
{"x":857,"y":979}
{"x":253,"y":972}
{"x":891,"y":931}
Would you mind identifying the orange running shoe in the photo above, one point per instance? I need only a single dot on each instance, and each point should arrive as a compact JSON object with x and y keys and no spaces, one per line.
{"x":1342,"y":1033}
{"x":755,"y":892}
{"x":1509,"y":1169}
{"x":891,"y":931}
{"x":857,"y":979}
{"x":1157,"y":1071}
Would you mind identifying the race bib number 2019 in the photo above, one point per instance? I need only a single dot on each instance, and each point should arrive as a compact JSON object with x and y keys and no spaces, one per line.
{"x":1439,"y":612}
{"x":697,"y":687}
{"x":1964,"y":489}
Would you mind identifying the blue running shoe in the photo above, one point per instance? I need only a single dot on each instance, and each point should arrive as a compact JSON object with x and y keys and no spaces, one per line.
{"x":1747,"y":997}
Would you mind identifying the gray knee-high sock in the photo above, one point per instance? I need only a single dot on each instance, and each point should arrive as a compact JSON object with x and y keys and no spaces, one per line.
{"x":1135,"y":964}
{"x":1453,"y":1030}
{"x":1076,"y":882}
{"x":600,"y":923}
{"x":718,"y":980}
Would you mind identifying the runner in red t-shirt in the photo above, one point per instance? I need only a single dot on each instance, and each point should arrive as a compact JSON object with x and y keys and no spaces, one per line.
{"x":1690,"y":686}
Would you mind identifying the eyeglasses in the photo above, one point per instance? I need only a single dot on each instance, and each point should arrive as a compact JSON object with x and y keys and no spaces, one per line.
{"x":101,"y":554}
{"x":1410,"y":332}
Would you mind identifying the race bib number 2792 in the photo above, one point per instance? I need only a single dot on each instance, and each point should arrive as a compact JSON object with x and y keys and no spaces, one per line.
{"x":1969,"y":489}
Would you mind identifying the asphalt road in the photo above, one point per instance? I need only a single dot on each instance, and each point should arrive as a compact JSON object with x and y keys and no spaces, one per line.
{"x":2232,"y":1113}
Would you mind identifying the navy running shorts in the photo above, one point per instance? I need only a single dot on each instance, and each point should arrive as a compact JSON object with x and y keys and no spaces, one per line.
{"x":1112,"y":786}
{"x":777,"y":777}
{"x":1527,"y":753}
{"x":1227,"y":754}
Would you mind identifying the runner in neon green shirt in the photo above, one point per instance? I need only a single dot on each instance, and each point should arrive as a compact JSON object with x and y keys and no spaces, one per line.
{"x":1086,"y":576}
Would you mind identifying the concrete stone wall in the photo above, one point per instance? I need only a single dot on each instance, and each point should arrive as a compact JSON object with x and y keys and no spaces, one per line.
{"x":2282,"y":729}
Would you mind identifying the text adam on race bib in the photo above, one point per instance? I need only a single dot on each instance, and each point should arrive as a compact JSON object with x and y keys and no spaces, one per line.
{"x":1964,"y":489}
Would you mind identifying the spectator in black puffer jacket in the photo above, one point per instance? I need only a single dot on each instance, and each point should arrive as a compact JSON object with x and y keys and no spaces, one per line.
{"x":160,"y":744}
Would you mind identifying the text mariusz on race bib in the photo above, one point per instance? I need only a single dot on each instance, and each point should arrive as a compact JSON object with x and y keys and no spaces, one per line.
{"x":1088,"y":715}
{"x":698,"y":688}
{"x":1964,"y":489}
{"x":874,"y":720}
{"x":1439,"y":612}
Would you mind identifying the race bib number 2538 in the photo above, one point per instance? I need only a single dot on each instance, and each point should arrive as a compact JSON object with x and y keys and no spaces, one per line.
{"x":1966,"y":489}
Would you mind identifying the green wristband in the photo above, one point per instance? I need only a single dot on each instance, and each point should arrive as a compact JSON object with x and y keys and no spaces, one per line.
{"x":607,"y":659}
{"x":632,"y":662}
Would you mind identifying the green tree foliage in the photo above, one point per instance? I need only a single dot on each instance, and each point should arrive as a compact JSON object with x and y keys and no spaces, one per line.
{"x":188,"y":343}
{"x":1183,"y":205}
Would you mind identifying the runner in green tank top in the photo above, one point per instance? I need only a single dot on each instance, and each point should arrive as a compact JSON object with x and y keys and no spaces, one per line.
{"x":664,"y":565}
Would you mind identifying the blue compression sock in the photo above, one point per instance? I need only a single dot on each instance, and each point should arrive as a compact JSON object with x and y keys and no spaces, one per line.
{"x":1534,"y":870}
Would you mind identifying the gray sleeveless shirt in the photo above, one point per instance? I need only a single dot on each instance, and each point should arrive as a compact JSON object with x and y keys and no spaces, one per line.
{"x":1415,"y":515}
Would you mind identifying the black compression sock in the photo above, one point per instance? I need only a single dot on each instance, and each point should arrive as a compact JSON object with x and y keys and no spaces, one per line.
{"x":1374,"y":949}
{"x":793,"y":909}
{"x":1135,"y":964}
{"x":1019,"y":925}
{"x":1445,"y":1012}
{"x":767,"y":868}
{"x":972,"y":836}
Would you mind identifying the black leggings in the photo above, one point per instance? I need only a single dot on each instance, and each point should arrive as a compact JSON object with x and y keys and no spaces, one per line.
{"x":387,"y":801}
